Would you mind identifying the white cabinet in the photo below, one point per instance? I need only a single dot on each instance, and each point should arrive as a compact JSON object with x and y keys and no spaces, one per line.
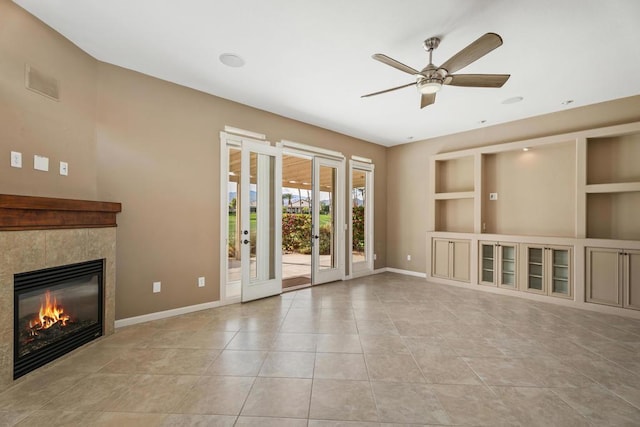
{"x":498,"y":264}
{"x":613,"y":277}
{"x":451,"y":259}
{"x":547,"y":270}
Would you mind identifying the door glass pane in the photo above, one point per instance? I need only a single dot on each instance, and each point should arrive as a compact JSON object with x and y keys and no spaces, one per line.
{"x":508,"y":253}
{"x":535,"y":268}
{"x":561,"y":257}
{"x":560,"y":281}
{"x":297,"y":175}
{"x":508,"y":257}
{"x":487,"y":263}
{"x":535,"y":283}
{"x":358,"y":203}
{"x":233,"y":198}
{"x":262,"y":225}
{"x":560,"y":286}
{"x":508,"y":278}
{"x":326,"y":218}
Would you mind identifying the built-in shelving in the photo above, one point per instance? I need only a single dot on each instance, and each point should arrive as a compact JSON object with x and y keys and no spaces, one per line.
{"x":548,"y":199}
{"x":613,"y":186}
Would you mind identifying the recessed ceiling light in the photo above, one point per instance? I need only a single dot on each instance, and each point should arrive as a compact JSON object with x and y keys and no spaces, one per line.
{"x":231,"y":60}
{"x":513,"y":100}
{"x":526,"y":149}
{"x":567,"y":102}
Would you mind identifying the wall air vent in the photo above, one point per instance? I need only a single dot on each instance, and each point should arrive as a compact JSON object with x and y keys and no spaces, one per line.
{"x":39,"y":82}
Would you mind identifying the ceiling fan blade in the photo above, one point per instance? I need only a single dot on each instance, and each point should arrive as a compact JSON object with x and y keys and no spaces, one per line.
{"x":427,"y":99}
{"x":387,"y":90}
{"x":477,"y":80}
{"x":473,"y":52}
{"x":393,"y":63}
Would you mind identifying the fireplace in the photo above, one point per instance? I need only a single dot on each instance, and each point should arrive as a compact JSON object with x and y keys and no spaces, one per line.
{"x":40,"y":237}
{"x":55,"y":311}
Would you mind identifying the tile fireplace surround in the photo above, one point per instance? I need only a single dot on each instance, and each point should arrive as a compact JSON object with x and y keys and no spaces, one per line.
{"x":39,"y":232}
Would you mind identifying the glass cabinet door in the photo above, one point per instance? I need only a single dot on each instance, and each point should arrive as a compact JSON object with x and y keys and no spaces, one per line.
{"x":507,"y":266}
{"x":535,"y":268}
{"x":487,"y":263}
{"x":560,"y":271}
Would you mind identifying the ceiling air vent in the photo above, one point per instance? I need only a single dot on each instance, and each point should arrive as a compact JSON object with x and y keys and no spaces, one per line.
{"x":40,"y":83}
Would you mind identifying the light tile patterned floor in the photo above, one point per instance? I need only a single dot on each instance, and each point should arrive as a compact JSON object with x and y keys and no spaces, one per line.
{"x":381,"y":350}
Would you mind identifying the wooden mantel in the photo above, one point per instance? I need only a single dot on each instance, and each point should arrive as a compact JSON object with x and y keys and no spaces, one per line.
{"x":44,"y":213}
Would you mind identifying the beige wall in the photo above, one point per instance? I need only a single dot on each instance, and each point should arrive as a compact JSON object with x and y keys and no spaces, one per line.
{"x":152,"y":145}
{"x":409,"y":171}
{"x":159,"y":154}
{"x":33,"y":124}
{"x":536,"y":191}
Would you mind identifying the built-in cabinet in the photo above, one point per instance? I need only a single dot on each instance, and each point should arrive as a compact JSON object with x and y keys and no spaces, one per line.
{"x":451,"y":259}
{"x":498,"y":264}
{"x":548,"y":270}
{"x":546,"y":217}
{"x":613,"y":277}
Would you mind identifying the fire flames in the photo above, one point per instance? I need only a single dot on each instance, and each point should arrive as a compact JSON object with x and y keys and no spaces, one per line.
{"x":49,"y":315}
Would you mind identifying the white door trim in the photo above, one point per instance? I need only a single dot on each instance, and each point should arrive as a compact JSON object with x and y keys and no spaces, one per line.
{"x":337,"y":273}
{"x":362,"y":268}
{"x":231,"y":292}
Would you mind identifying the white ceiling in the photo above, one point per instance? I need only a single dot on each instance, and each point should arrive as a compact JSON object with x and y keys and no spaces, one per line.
{"x":311,"y":60}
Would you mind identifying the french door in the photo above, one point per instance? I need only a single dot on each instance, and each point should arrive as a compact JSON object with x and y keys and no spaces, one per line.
{"x":327,"y":218}
{"x":252,"y":219}
{"x":361,"y":218}
{"x":261,"y":221}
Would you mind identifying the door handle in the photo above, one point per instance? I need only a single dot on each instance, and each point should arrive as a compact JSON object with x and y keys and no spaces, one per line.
{"x":245,"y":241}
{"x":316,"y":236}
{"x":245,"y":232}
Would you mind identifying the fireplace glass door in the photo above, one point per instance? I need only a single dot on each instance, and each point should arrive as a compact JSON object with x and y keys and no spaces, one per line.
{"x":56,"y":311}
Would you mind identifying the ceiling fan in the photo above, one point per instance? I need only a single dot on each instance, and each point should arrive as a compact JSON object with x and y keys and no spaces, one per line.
{"x":431,"y":78}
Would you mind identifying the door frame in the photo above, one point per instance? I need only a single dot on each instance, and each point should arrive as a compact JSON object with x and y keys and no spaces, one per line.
{"x":319,"y":276}
{"x":310,"y":151}
{"x":362,"y":268}
{"x":237,"y":139}
{"x":263,"y":286}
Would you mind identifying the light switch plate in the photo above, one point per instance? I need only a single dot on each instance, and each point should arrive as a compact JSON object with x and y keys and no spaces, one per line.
{"x":493,"y":196}
{"x":201,"y":282}
{"x":41,"y":163}
{"x":156,"y":287}
{"x":64,"y":168}
{"x":16,"y":159}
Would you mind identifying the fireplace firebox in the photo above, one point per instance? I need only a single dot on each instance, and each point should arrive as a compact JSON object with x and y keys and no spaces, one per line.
{"x":56,"y":310}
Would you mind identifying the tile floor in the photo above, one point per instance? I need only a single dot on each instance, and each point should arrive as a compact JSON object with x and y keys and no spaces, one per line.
{"x":376,"y":351}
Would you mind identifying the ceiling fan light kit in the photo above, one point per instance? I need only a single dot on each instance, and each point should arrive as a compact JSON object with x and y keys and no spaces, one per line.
{"x":429,"y":85}
{"x":431,"y":78}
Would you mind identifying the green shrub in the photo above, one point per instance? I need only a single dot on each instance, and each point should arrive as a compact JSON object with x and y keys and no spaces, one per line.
{"x":358,"y":228}
{"x":296,"y":233}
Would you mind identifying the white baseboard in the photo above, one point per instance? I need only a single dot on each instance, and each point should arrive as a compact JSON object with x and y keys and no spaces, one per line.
{"x":406,"y":272}
{"x":205,"y":306}
{"x":605,"y":309}
{"x":173,"y":312}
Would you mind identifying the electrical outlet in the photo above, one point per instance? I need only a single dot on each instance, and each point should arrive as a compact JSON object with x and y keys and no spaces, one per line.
{"x":408,"y":257}
{"x":201,"y":282}
{"x":156,"y":287}
{"x":493,"y":196}
{"x":64,"y":168}
{"x":375,"y":257}
{"x":16,"y":159}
